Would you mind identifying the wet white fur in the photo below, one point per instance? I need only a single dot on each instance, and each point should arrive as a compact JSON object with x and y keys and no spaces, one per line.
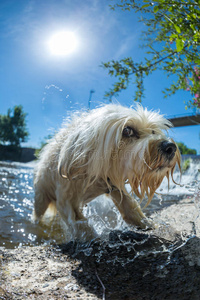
{"x":89,"y":157}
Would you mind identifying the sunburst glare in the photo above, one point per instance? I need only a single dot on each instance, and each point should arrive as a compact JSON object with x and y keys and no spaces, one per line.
{"x":62,"y":43}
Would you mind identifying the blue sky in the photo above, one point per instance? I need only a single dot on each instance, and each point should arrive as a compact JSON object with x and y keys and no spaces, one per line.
{"x":49,"y":87}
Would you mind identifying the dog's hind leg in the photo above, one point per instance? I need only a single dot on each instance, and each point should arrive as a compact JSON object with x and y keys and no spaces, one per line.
{"x":41,"y":204}
{"x":73,"y":217}
{"x":130,"y":209}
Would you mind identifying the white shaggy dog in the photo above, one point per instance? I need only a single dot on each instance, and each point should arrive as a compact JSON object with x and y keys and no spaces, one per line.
{"x":97,"y":153}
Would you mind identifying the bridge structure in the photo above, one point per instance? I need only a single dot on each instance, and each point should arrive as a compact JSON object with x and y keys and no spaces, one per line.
{"x":184,"y":120}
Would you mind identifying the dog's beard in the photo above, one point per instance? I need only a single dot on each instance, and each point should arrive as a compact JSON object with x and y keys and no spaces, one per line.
{"x":146,"y":171}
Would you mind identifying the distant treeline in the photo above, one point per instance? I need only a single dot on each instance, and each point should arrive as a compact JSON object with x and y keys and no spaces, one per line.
{"x":185,"y":150}
{"x":13,"y":132}
{"x":13,"y":127}
{"x":11,"y":153}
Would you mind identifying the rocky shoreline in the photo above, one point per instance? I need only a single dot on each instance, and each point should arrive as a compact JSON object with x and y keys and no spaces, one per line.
{"x":108,"y":272}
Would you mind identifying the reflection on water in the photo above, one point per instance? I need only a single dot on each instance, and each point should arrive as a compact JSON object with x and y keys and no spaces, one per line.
{"x":16,"y":206}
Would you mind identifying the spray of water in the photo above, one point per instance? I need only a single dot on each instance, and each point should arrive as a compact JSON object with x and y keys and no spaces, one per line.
{"x":176,"y":214}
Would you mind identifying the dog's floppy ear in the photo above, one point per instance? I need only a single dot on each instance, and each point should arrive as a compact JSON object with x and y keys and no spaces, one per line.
{"x":72,"y":161}
{"x":88,"y":144}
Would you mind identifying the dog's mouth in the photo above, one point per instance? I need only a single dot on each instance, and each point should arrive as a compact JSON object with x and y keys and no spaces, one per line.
{"x":161,"y":163}
{"x":156,"y":168}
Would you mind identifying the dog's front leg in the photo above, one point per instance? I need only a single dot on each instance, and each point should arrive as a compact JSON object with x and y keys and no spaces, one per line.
{"x":130,"y":209}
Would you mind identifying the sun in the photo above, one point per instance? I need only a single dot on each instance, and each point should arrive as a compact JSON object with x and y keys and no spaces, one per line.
{"x":62,"y":43}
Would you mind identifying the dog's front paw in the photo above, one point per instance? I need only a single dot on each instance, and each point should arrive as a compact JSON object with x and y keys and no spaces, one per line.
{"x":141,"y":222}
{"x":147,"y":224}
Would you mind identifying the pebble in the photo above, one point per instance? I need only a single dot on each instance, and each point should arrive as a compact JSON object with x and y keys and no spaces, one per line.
{"x":72,"y":287}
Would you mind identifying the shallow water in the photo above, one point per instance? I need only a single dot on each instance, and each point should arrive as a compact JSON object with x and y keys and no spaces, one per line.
{"x":16,"y":206}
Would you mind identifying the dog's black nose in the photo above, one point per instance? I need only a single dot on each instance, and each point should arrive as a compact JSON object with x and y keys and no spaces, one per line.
{"x":168,"y":148}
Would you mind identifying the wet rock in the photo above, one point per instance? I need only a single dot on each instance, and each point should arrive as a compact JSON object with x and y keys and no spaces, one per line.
{"x":145,"y":271}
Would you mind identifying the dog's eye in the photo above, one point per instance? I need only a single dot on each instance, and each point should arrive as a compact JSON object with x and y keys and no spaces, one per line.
{"x":130,"y":132}
{"x":153,"y":131}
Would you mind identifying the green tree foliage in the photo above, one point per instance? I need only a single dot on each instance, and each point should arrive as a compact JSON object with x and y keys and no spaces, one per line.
{"x":185,"y":165}
{"x":13,"y":129}
{"x":172,"y":38}
{"x":185,"y":150}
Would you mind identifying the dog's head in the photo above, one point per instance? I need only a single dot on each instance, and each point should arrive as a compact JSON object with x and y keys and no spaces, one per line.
{"x":121,"y":144}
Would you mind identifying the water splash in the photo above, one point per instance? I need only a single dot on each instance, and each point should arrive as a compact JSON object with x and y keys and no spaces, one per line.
{"x":16,"y":206}
{"x":50,"y":87}
{"x":176,"y":214}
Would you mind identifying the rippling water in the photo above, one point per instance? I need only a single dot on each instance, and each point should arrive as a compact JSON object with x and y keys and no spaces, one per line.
{"x":16,"y":206}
